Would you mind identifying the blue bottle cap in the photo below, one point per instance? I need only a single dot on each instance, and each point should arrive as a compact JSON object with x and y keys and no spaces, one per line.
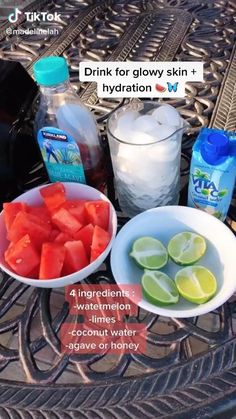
{"x":50,"y":71}
{"x":215,"y":148}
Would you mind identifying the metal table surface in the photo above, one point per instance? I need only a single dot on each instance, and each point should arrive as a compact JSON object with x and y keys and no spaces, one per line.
{"x":190,"y":368}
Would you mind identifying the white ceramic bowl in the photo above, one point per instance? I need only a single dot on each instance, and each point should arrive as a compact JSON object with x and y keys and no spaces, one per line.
{"x":73,"y":191}
{"x":163,"y":223}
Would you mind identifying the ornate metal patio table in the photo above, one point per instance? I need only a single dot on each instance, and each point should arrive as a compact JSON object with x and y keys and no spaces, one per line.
{"x":190,"y":367}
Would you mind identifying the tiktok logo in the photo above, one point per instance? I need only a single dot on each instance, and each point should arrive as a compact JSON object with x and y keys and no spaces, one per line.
{"x":13,"y":17}
{"x":34,"y":16}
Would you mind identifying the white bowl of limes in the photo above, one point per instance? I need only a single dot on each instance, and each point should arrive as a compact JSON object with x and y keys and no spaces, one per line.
{"x":182,"y":258}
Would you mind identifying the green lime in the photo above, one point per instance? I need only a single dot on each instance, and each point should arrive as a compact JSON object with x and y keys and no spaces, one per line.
{"x":186,"y":248}
{"x":196,"y":284}
{"x":149,"y":253}
{"x":158,"y":288}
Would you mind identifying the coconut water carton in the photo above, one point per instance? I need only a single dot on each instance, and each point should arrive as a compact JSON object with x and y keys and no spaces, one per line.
{"x":212,"y":172}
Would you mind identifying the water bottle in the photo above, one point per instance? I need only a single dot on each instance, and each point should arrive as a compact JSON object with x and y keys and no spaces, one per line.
{"x":66,"y":131}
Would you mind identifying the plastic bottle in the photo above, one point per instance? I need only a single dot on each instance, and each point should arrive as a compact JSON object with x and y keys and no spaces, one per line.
{"x":212,"y":173}
{"x":66,"y":131}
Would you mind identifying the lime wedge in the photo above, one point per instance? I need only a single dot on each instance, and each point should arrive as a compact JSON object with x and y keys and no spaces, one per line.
{"x":158,"y":288}
{"x":186,"y":248}
{"x":196,"y":284}
{"x":149,"y":253}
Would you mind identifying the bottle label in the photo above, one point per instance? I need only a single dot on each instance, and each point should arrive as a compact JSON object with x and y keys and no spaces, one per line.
{"x":206,"y":191}
{"x":61,"y":155}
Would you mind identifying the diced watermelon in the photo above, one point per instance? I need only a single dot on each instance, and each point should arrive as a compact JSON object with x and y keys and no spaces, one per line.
{"x":77,"y":209}
{"x":63,"y":237}
{"x":66,"y":233}
{"x":53,"y":195}
{"x":41,"y":212}
{"x":85,"y":235}
{"x":11,"y":209}
{"x":97,"y":213}
{"x":76,"y":257}
{"x":101,"y":239}
{"x":52,"y":260}
{"x":65,"y":221}
{"x":22,"y":256}
{"x":34,"y":274}
{"x":25,"y":223}
{"x":54,"y":234}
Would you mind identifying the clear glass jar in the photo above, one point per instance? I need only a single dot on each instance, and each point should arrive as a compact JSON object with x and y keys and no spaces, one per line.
{"x":147,"y":173}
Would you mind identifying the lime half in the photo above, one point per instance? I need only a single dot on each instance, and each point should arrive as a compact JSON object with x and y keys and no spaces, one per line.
{"x":158,"y":288}
{"x":186,"y":248}
{"x":149,"y":253}
{"x":196,"y":284}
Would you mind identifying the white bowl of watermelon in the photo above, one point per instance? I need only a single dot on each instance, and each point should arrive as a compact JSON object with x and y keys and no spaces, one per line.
{"x":57,"y":234}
